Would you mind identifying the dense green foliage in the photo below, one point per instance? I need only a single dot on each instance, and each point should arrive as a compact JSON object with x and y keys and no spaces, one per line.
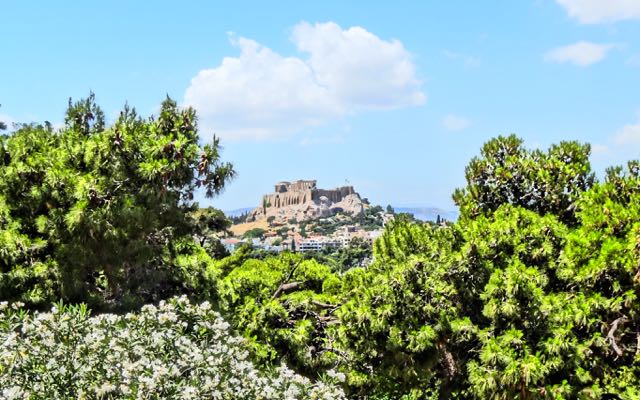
{"x":284,"y":300}
{"x":531,"y":294}
{"x":254,"y":233}
{"x":210,"y":223}
{"x":369,"y":220}
{"x":507,"y":173}
{"x":102,"y":214}
{"x":357,"y":253}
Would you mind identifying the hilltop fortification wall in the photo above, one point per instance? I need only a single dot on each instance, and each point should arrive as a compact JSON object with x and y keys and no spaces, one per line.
{"x":299,"y":192}
{"x":303,"y":200}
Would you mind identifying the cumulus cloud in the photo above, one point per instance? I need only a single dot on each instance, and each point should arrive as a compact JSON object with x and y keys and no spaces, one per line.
{"x":600,"y":11}
{"x":581,"y":53}
{"x":628,"y":135}
{"x":621,"y":145}
{"x":261,"y":94}
{"x":455,"y":123}
{"x":361,"y":69}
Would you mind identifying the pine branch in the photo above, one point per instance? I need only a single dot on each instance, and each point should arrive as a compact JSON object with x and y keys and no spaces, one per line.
{"x":285,"y":286}
{"x":324,"y":305}
{"x":611,"y":335}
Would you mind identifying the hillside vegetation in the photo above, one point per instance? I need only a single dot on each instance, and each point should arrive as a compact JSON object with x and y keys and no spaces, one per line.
{"x":531,"y":294}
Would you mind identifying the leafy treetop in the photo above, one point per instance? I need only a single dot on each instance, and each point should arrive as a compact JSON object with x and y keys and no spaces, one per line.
{"x":96,"y":213}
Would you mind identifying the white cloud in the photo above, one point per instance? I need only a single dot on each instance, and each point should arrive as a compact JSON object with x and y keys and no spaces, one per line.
{"x":620,"y":145}
{"x":580,"y":53}
{"x":455,"y":123}
{"x":599,"y":149}
{"x":360,"y":68}
{"x":261,"y":94}
{"x":628,"y":135}
{"x":599,"y":11}
{"x":470,"y":61}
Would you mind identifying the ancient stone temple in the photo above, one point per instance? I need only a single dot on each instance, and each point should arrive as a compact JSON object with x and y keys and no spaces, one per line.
{"x":303,"y":200}
{"x":299,"y":192}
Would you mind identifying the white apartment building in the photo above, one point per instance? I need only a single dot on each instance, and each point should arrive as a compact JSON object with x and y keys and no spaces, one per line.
{"x":317,"y":244}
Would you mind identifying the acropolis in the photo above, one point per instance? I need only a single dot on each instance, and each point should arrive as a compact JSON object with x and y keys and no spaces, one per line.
{"x":302,"y":200}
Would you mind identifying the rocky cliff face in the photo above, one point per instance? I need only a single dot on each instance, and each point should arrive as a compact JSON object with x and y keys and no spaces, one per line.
{"x":302,"y":200}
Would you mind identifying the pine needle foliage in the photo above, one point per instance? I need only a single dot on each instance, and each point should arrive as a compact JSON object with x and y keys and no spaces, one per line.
{"x":531,"y":294}
{"x":98,"y":213}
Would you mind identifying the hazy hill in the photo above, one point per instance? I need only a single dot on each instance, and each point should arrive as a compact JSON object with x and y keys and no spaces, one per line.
{"x":238,"y":211}
{"x":421,"y":213}
{"x":428,"y":213}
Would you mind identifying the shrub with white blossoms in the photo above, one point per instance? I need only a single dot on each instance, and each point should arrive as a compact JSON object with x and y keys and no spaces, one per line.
{"x":173,"y":351}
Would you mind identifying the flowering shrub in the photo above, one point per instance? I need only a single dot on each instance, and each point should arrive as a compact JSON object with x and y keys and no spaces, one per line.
{"x":175,"y":350}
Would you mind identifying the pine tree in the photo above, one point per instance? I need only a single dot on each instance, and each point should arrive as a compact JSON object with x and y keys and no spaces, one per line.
{"x":99,"y":214}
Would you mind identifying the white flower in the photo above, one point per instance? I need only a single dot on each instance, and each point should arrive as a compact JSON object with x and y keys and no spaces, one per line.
{"x":17,"y":305}
{"x":125,"y":389}
{"x":148,"y":351}
{"x":159,"y":371}
{"x":14,"y":392}
{"x":105,"y":388}
{"x":189,"y":392}
{"x":339,"y":376}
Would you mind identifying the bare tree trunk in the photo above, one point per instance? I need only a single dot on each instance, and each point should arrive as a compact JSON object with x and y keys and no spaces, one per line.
{"x":451,"y":368}
{"x":611,"y":335}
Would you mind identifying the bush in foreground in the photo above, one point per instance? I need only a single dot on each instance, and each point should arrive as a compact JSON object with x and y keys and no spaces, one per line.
{"x":175,"y":350}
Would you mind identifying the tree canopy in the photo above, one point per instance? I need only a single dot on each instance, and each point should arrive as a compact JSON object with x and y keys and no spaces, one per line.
{"x":544,"y":182}
{"x":531,"y":294}
{"x":100,"y":213}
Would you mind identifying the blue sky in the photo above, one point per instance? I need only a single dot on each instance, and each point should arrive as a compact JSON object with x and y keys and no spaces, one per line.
{"x":394,"y":98}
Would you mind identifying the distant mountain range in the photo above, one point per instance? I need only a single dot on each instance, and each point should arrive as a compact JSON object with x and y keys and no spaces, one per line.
{"x":238,"y":212}
{"x":421,"y":213}
{"x":428,"y":213}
